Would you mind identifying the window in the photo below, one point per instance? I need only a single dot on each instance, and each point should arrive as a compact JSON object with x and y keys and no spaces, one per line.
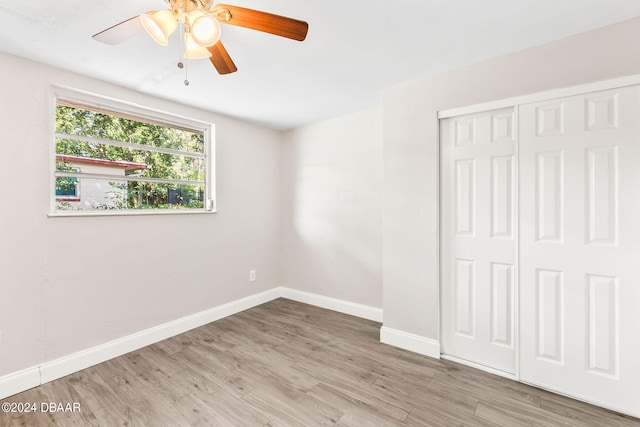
{"x":118,"y":158}
{"x":67,"y":187}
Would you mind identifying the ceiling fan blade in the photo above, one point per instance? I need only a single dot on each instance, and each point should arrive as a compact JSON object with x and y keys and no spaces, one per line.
{"x":120,"y":32}
{"x":221,"y":60}
{"x":263,"y":21}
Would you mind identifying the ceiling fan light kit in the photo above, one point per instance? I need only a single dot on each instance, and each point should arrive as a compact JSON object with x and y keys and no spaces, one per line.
{"x":159,"y":25}
{"x":193,"y":50}
{"x":205,"y":29}
{"x":201,"y":21}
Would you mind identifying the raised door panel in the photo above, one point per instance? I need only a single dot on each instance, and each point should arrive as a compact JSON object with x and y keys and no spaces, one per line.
{"x":502,"y":197}
{"x":549,"y":316}
{"x":502,"y":304}
{"x":549,"y":196}
{"x":465,"y":196}
{"x":602,"y":194}
{"x":464,"y":297}
{"x":602,"y":314}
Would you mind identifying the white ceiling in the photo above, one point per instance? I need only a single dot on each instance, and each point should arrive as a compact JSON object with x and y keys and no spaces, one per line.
{"x":353,"y":51}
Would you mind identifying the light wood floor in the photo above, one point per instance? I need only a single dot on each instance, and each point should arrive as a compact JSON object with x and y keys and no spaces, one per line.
{"x":290,"y":364}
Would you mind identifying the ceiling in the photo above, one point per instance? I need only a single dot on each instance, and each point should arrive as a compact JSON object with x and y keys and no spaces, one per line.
{"x":353,"y":51}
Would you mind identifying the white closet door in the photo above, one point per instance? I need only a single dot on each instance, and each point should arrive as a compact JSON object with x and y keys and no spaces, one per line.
{"x":580,"y":246}
{"x":478,"y":237}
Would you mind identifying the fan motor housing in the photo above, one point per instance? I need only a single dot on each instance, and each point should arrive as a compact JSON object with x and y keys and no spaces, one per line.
{"x":186,"y":6}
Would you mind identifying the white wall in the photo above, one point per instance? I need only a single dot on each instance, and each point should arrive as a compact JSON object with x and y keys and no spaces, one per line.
{"x":58,"y":296}
{"x":331,"y":211}
{"x":410,"y":232}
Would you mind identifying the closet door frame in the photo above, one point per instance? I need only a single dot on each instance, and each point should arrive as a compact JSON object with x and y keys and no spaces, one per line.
{"x":616,"y":83}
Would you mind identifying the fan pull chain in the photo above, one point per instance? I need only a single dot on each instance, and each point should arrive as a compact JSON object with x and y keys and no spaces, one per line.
{"x":181,"y":65}
{"x":186,"y":60}
{"x":186,"y":73}
{"x":180,"y":40}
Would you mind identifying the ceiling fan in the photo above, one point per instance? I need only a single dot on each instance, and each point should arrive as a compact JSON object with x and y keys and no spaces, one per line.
{"x":200,"y":20}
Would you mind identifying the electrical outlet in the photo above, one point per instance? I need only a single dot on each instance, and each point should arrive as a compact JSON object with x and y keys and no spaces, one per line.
{"x":252,"y":275}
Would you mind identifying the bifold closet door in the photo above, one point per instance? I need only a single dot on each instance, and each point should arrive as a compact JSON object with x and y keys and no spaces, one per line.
{"x":579,"y":265}
{"x":478,"y":234}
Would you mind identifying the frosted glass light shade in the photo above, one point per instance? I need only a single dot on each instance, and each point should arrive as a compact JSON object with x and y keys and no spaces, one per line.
{"x":194,"y":50}
{"x":204,"y":28}
{"x":159,"y":25}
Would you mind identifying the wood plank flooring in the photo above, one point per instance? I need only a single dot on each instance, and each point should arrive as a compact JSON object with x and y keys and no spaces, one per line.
{"x":290,"y":364}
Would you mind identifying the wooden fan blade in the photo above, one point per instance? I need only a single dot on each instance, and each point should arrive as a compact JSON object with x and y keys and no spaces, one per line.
{"x":120,"y":32}
{"x":263,"y":21}
{"x":221,"y":60}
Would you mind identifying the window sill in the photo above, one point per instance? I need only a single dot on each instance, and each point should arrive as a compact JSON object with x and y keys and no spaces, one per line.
{"x":130,"y":213}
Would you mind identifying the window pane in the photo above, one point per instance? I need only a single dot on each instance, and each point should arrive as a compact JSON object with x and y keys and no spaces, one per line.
{"x":110,"y":160}
{"x":102,"y":194}
{"x":67,"y":186}
{"x":77,"y":121}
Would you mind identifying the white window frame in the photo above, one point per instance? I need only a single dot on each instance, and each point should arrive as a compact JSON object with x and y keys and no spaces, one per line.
{"x":98,"y":102}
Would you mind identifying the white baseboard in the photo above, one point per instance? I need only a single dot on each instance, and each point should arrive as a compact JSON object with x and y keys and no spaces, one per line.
{"x":19,"y":381}
{"x":341,"y":306}
{"x":411,"y":342}
{"x":49,"y":371}
{"x":32,"y":377}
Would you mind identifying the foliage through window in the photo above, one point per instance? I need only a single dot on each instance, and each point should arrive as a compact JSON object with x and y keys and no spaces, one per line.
{"x":106,"y":160}
{"x":66,"y":186}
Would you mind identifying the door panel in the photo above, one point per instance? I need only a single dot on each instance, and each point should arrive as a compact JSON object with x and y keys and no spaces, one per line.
{"x":478,"y":238}
{"x":549,"y":315}
{"x":502,"y":304}
{"x":549,"y":195}
{"x":579,"y":163}
{"x":502,"y":202}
